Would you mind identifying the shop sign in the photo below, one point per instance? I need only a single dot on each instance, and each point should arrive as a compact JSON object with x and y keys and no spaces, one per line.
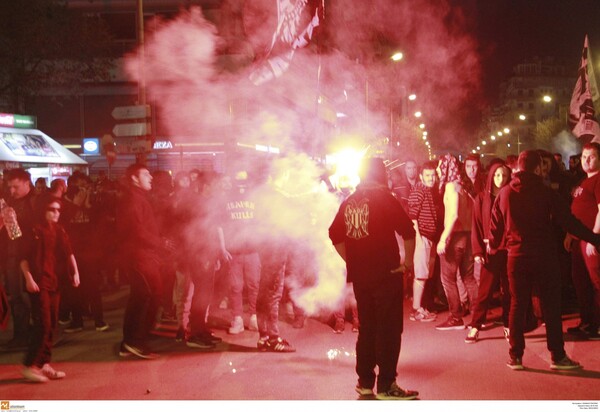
{"x":91,"y":146}
{"x":18,"y":121}
{"x":162,"y":145}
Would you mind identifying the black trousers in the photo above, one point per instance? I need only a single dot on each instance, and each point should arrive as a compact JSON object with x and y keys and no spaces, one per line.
{"x":492,"y":271}
{"x":44,"y":314}
{"x":203,"y":278}
{"x":525,"y":273}
{"x":144,"y":299}
{"x":379,"y":302}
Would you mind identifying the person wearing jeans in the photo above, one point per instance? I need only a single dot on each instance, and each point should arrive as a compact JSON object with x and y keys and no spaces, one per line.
{"x":454,"y":246}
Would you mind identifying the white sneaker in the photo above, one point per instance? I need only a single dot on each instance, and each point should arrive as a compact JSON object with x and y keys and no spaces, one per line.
{"x":33,"y":374}
{"x":50,"y":373}
{"x":237,"y":326}
{"x":253,"y":323}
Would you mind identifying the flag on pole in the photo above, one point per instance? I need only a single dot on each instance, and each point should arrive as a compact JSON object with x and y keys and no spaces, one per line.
{"x":285,"y":40}
{"x":582,"y":122}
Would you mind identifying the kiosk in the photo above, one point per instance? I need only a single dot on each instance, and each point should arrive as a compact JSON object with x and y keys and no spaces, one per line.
{"x":22,"y":145}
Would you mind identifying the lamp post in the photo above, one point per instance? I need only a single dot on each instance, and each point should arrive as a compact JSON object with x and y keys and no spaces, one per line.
{"x":522,"y":118}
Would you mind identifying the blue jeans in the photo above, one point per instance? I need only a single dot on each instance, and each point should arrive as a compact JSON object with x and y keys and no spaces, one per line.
{"x":458,"y":260}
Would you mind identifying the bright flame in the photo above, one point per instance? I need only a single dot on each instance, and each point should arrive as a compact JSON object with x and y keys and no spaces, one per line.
{"x":347,"y":163}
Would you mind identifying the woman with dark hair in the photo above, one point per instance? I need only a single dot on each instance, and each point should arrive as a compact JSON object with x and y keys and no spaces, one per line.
{"x":47,"y":264}
{"x":492,"y":261}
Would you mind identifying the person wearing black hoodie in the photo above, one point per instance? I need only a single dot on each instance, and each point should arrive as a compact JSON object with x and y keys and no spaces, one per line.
{"x":522,"y":218}
{"x":492,"y":261}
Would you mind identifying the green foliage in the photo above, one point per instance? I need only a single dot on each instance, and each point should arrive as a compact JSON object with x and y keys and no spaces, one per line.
{"x":43,"y":44}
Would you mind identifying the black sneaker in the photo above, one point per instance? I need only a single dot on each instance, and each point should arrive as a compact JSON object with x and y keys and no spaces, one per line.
{"x":124,"y":353}
{"x":580,"y":329}
{"x":451,"y":324}
{"x":139,"y":351}
{"x":276,"y":345}
{"x":181,"y":335}
{"x":593,"y":334}
{"x":102,"y":326}
{"x":565,"y":364}
{"x":73,"y":328}
{"x":515,"y":364}
{"x":397,"y":393}
{"x":200,"y":342}
{"x":211,"y":337}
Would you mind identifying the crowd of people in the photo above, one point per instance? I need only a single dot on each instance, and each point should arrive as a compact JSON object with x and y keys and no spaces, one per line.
{"x":470,"y":239}
{"x":505,"y":233}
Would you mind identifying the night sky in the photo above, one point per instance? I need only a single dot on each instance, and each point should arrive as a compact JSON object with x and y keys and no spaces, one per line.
{"x":509,"y":31}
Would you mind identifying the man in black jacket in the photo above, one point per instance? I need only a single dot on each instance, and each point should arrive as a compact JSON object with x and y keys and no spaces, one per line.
{"x":522,"y":215}
{"x":363,"y":233}
{"x":141,"y":247}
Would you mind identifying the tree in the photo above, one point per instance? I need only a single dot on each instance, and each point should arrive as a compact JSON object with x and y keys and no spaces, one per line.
{"x":44,"y":44}
{"x":545,"y":131}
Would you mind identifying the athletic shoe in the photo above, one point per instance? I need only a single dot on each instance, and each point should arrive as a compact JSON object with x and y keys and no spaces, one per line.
{"x":364,"y":391}
{"x":139,"y":351}
{"x":262,"y":343}
{"x":73,"y":328}
{"x":200,"y":342}
{"x":472,"y":335}
{"x":451,"y":324}
{"x":211,"y":337}
{"x":33,"y":374}
{"x":422,"y":315}
{"x":593,"y":334}
{"x":565,"y":364}
{"x":181,"y":335}
{"x":397,"y":393}
{"x":515,"y":364}
{"x":580,"y":329}
{"x":124,"y":353}
{"x":276,"y":345}
{"x":237,"y":326}
{"x":102,"y":326}
{"x":253,"y":323}
{"x":50,"y":373}
{"x":339,"y":326}
{"x":506,"y":334}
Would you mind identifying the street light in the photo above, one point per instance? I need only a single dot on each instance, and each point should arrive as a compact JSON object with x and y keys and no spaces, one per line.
{"x":418,"y":114}
{"x":412,"y":97}
{"x":547,"y":99}
{"x":397,"y":56}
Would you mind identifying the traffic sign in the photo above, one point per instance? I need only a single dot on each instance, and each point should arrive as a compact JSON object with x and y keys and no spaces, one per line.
{"x":132,"y":129}
{"x":140,"y":111}
{"x":133,"y":145}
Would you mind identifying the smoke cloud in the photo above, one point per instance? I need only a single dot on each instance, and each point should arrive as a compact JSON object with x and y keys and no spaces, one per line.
{"x":198,"y":97}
